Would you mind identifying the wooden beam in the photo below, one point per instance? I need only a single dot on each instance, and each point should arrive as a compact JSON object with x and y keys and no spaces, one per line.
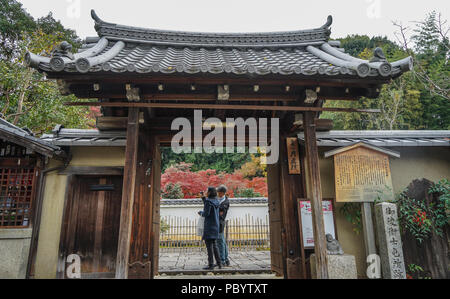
{"x":91,"y":170}
{"x":187,"y":97}
{"x":105,"y":123}
{"x":321,"y":124}
{"x":315,"y":195}
{"x":338,"y":98}
{"x":202,"y":80}
{"x":166,"y":139}
{"x":129,"y":179}
{"x":220,"y":107}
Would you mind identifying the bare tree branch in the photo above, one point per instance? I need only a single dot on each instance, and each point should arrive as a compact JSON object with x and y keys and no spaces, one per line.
{"x":419,"y":72}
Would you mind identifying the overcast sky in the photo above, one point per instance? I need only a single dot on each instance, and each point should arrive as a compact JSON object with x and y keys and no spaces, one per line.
{"x":371,"y":17}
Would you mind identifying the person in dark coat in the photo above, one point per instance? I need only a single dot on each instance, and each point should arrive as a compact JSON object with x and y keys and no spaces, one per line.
{"x":211,"y":227}
{"x":223,"y":211}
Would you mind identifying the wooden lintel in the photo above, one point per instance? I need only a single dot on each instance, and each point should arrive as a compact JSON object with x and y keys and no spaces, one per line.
{"x":111,"y":123}
{"x":338,"y":98}
{"x":129,"y":179}
{"x":201,"y":80}
{"x":91,"y":170}
{"x":189,"y":97}
{"x":321,"y":124}
{"x":220,"y":107}
{"x":166,"y":140}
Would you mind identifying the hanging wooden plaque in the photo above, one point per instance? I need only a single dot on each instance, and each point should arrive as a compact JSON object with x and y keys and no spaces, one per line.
{"x":362,"y":175}
{"x":293,"y":154}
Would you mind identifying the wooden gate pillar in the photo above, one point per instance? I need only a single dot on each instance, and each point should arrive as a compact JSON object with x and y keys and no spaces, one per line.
{"x":315,"y":194}
{"x":129,"y":179}
{"x":140,"y":260}
{"x":290,"y":190}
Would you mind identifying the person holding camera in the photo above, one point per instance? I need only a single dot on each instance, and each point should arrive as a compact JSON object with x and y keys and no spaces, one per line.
{"x":211,"y":227}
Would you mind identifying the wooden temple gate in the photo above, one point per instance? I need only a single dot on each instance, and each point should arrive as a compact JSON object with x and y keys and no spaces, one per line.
{"x":144,"y":79}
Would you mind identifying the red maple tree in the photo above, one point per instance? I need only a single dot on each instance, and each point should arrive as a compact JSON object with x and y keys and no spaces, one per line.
{"x":192,"y":183}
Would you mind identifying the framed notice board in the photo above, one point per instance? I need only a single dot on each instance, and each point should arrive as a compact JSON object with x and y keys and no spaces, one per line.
{"x":362,"y":175}
{"x":306,"y":225}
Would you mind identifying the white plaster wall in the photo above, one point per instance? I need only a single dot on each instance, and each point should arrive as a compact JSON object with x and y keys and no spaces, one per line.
{"x":240,"y":211}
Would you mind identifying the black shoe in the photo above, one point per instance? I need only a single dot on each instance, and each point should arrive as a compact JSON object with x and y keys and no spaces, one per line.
{"x":219,"y":266}
{"x":227,"y":263}
{"x":210,"y":267}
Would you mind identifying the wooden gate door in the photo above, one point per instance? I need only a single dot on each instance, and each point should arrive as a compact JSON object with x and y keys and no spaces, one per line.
{"x":91,"y":225}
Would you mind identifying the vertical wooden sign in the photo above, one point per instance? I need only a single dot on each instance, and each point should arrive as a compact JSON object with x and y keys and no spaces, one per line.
{"x":293,"y":155}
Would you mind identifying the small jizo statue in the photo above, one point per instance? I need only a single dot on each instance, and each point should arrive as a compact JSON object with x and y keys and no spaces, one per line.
{"x":333,"y":246}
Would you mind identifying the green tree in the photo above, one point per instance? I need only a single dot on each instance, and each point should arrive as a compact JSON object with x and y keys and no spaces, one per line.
{"x":399,"y":103}
{"x":221,"y":162}
{"x":418,"y":99}
{"x":172,"y":191}
{"x":49,"y":25}
{"x":432,"y":71}
{"x":14,"y":21}
{"x":246,"y":193}
{"x":27,"y":98}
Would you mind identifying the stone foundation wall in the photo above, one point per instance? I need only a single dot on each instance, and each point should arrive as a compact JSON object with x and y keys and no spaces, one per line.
{"x":14,"y":250}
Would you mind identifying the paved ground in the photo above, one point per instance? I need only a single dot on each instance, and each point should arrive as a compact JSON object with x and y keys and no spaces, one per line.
{"x":193,"y":262}
{"x":220,"y":276}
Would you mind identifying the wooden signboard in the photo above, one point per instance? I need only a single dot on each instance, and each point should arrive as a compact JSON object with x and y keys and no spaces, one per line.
{"x":306,"y":224}
{"x":362,"y":175}
{"x":293,"y":154}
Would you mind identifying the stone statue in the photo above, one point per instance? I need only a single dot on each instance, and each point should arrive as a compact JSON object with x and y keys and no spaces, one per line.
{"x":333,"y":246}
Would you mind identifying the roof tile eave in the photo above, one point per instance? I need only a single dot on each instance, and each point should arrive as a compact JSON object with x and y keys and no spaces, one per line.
{"x":302,"y":53}
{"x":384,"y":138}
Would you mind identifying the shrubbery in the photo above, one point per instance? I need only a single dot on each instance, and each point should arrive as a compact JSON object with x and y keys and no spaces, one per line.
{"x":181,"y":176}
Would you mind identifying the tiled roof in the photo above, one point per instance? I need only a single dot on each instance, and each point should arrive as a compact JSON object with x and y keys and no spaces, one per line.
{"x":383,"y":138}
{"x":199,"y":202}
{"x":76,"y":137}
{"x":300,"y":53}
{"x":25,"y":138}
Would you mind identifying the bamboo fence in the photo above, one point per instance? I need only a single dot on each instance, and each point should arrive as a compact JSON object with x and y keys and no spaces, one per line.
{"x":241,"y":234}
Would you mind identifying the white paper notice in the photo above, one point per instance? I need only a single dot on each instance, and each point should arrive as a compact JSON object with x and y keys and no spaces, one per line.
{"x":307,"y":226}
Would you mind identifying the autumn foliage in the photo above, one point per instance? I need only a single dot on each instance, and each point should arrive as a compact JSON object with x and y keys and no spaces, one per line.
{"x":192,"y":183}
